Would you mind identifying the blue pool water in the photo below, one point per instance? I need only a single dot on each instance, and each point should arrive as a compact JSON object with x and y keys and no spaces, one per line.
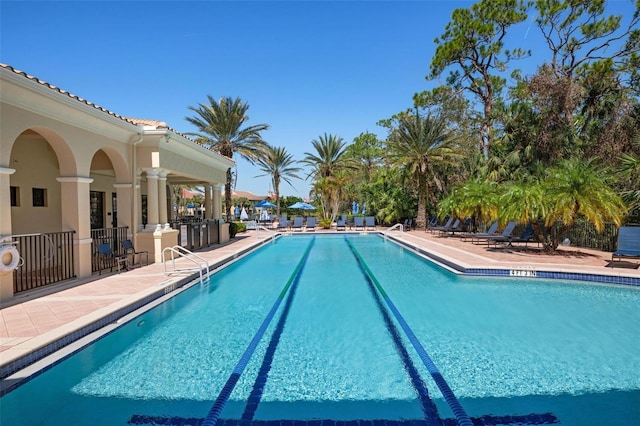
{"x":514,"y":351}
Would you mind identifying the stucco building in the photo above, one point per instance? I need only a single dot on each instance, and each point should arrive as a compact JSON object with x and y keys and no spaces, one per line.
{"x":72,"y":172}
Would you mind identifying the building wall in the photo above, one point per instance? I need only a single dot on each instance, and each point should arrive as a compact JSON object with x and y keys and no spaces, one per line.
{"x":36,"y":166}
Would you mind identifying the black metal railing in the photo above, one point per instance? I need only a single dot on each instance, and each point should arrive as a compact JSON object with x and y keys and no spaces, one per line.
{"x":47,"y":258}
{"x":111,"y":236}
{"x":584,"y":234}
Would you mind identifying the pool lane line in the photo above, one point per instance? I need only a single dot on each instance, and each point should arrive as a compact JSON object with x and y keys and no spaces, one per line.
{"x":461,"y":416}
{"x":429,"y":408}
{"x":263,"y":374}
{"x":225,"y":393}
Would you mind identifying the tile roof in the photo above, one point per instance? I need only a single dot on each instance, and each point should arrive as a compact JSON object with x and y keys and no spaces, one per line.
{"x":63,"y":92}
{"x":246,"y":194}
{"x":134,"y":121}
{"x":154,"y":123}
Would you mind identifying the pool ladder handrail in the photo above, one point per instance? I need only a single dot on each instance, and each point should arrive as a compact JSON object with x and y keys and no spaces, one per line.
{"x":199,"y":261}
{"x":264,"y":228}
{"x":397,"y":225}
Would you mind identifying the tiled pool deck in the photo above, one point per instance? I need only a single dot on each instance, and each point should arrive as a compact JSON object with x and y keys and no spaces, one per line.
{"x":42,"y":321}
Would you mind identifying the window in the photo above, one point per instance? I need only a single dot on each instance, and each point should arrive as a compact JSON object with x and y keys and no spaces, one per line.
{"x":96,"y":209}
{"x":15,"y":196}
{"x":39,"y":197}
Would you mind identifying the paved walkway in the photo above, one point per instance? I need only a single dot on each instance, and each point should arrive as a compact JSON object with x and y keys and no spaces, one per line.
{"x":33,"y":320}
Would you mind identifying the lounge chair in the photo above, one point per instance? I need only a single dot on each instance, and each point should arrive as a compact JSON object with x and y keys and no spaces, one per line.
{"x":506,"y":233}
{"x":297,"y":223}
{"x":341,"y":223}
{"x":491,"y":232}
{"x":358,"y":222}
{"x":283,"y":223}
{"x":628,"y":243}
{"x":370,"y":222}
{"x":311,"y":223}
{"x":129,"y":250}
{"x":109,"y":259}
{"x":433,"y":222}
{"x":525,"y":237}
{"x":445,"y":226}
{"x":444,"y":229}
{"x":464,"y":227}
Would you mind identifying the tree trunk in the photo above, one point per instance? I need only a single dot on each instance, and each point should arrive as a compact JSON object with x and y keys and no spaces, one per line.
{"x":421,"y":221}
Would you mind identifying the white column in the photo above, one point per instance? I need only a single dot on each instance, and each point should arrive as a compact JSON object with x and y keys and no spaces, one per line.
{"x":6,"y":280}
{"x":217,"y":201}
{"x":208,"y":204}
{"x":162,"y":199}
{"x":123,"y":198}
{"x":153,"y":217}
{"x":76,"y":214}
{"x":137,"y":194}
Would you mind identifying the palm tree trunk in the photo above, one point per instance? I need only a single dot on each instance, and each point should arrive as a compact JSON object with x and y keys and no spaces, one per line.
{"x":421,"y":216}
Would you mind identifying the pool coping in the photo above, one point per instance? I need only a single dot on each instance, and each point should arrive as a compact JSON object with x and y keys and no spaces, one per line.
{"x":522,"y":271}
{"x":46,"y":344}
{"x":37,"y":348}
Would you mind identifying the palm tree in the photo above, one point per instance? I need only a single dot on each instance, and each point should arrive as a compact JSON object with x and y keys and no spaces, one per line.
{"x":421,"y":145}
{"x":330,"y":156}
{"x":278,"y":164}
{"x":573,"y":189}
{"x":475,"y":199}
{"x":326,"y":164}
{"x":220,"y":129}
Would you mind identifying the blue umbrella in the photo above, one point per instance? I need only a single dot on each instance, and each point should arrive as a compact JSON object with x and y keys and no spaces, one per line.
{"x":364,"y":208}
{"x":302,"y":205}
{"x":265,"y":203}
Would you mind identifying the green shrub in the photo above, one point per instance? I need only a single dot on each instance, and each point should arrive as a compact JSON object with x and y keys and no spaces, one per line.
{"x":325,"y":223}
{"x":242,"y":227}
{"x":233,"y":229}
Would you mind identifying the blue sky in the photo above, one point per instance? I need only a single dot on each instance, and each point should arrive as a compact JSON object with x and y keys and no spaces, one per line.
{"x":305,"y":67}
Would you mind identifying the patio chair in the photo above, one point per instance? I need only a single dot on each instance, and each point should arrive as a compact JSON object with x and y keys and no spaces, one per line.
{"x":341,"y":223}
{"x":358,"y":222}
{"x":370,"y":222}
{"x":445,"y":226}
{"x":283,"y":223}
{"x":525,"y":237}
{"x":506,"y":233}
{"x":491,"y":232}
{"x":109,"y":259}
{"x":628,"y":243}
{"x":444,"y":229}
{"x":311,"y":223}
{"x":433,"y":222}
{"x":297,"y":223}
{"x":464,"y":227}
{"x":129,"y":250}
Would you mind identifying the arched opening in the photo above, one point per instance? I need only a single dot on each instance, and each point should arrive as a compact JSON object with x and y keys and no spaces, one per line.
{"x":40,"y":156}
{"x":35,"y":192}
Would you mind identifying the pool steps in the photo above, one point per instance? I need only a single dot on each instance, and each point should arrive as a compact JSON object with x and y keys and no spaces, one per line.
{"x":202,"y":265}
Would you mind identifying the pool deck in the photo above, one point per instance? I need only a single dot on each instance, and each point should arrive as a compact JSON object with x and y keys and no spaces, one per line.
{"x":36,"y":319}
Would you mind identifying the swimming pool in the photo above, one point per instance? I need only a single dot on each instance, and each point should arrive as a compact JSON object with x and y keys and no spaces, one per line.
{"x":512,"y":350}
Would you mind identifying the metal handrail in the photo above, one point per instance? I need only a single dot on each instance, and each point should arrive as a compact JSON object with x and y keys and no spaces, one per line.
{"x":189,"y":255}
{"x":397,"y":225}
{"x":273,"y":233}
